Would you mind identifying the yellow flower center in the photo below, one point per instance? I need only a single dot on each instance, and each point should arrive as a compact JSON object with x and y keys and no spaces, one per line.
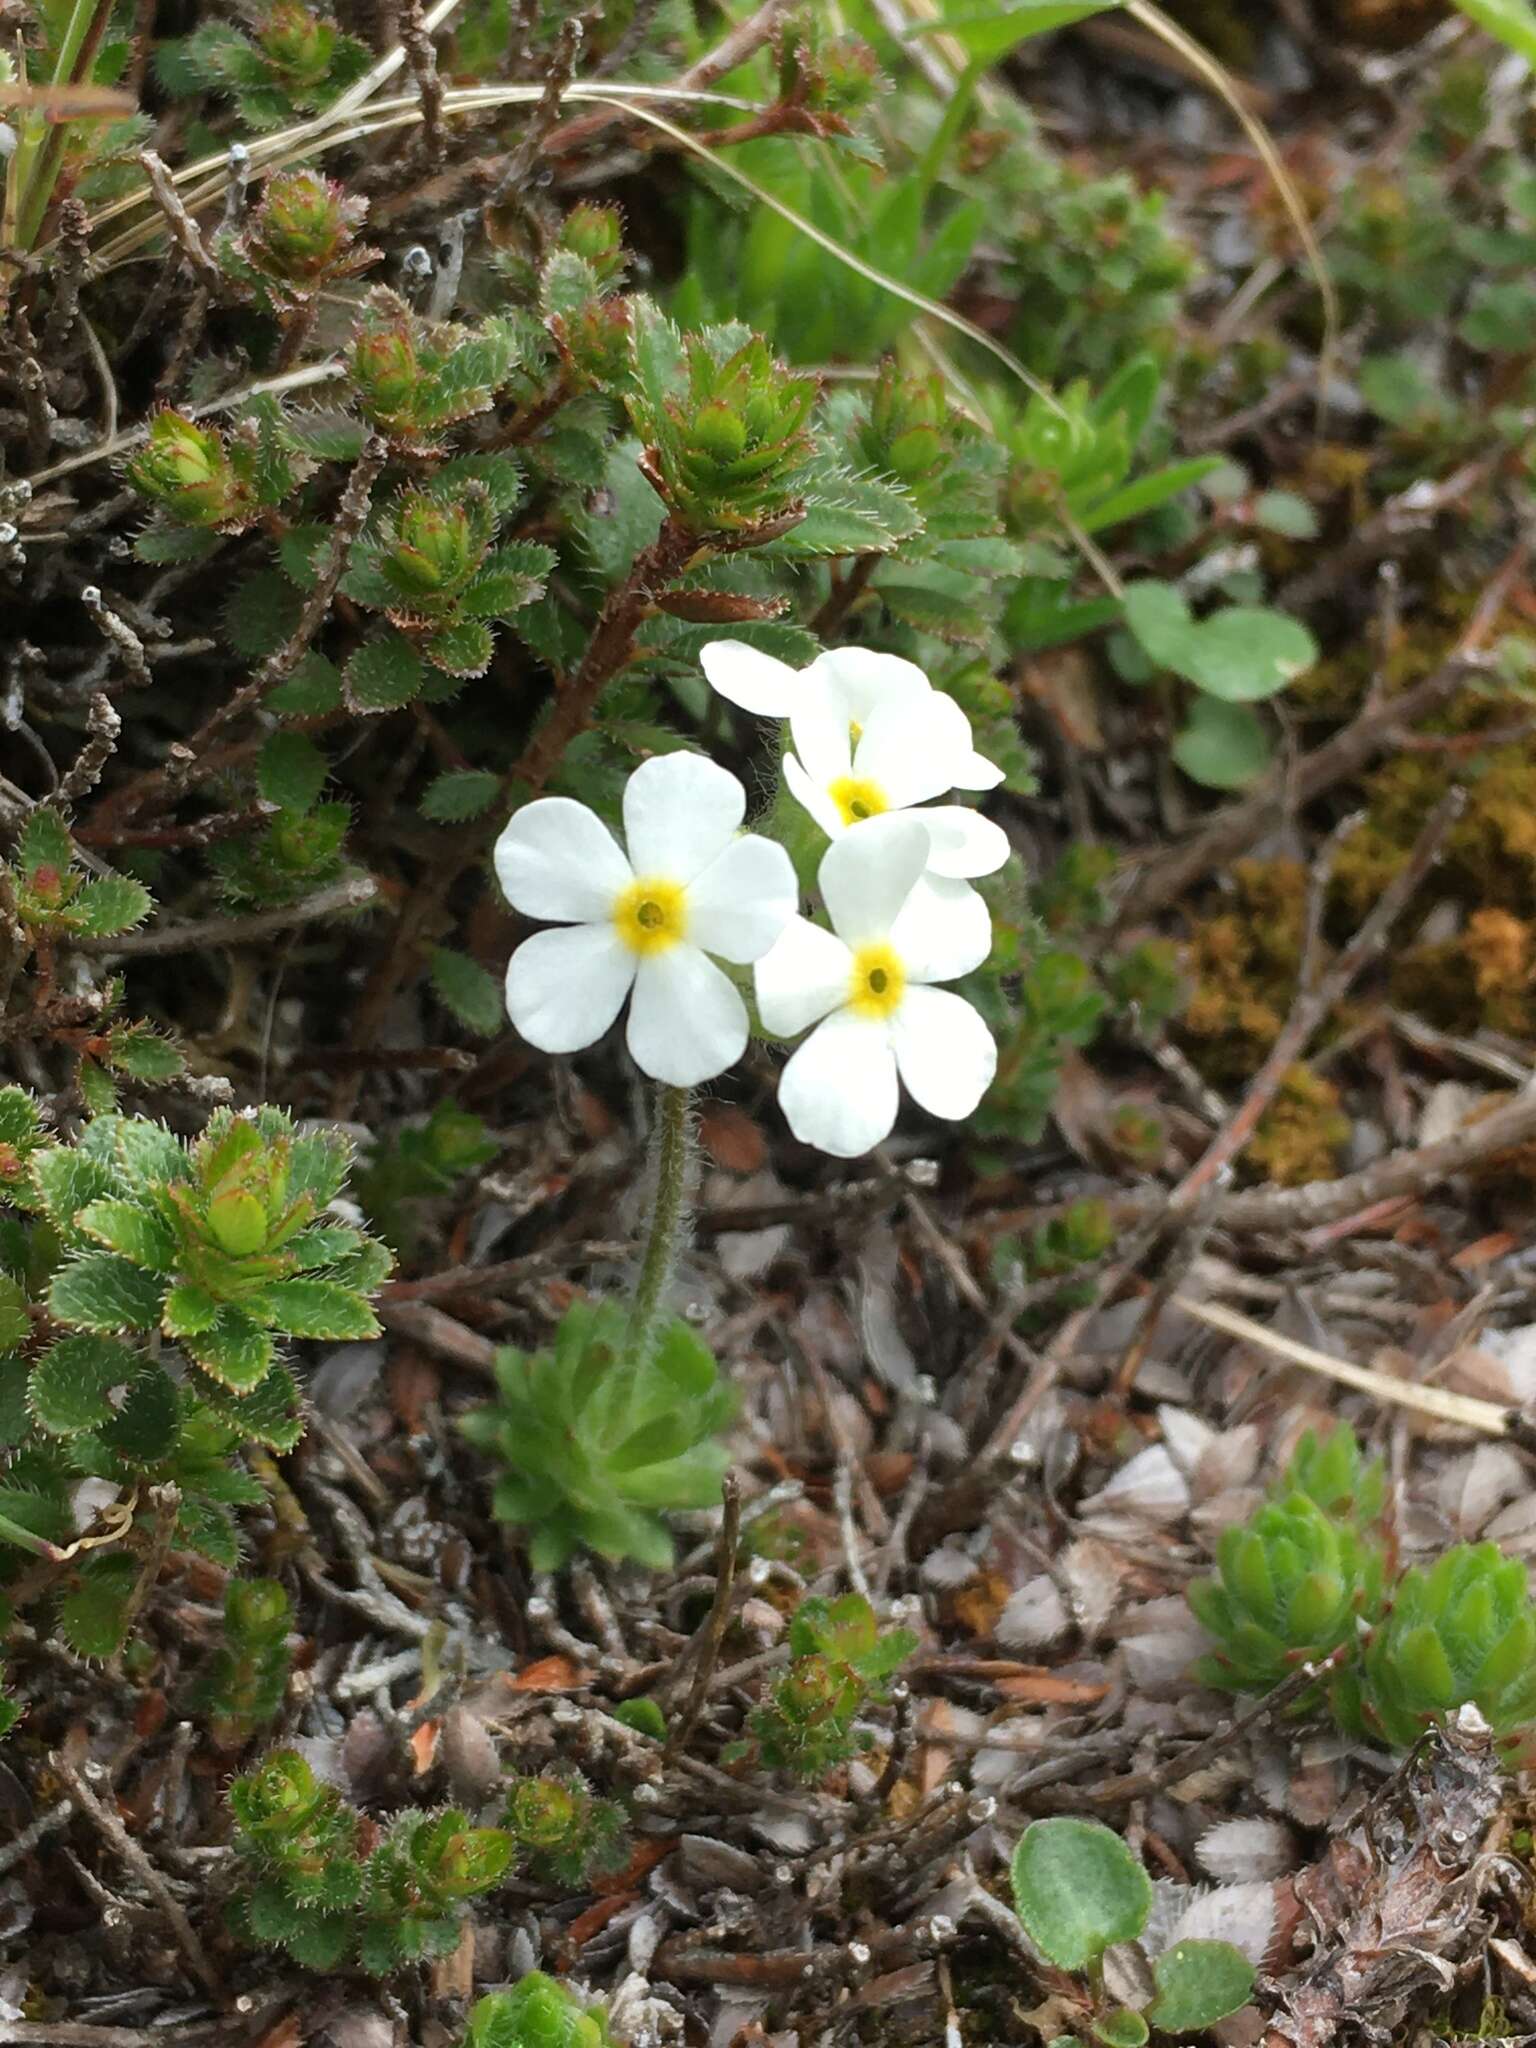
{"x":651,"y":915}
{"x":857,"y":800}
{"x":878,"y":981}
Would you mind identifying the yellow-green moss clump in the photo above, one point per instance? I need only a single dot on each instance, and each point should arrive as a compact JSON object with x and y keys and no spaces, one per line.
{"x":1302,"y":1133}
{"x":1243,"y":963}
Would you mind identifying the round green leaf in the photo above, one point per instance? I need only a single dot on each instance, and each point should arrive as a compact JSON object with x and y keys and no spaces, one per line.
{"x":1160,"y":621}
{"x":1247,"y":653}
{"x":1121,"y":2029}
{"x":1199,"y":1983}
{"x":1222,"y":746}
{"x":1077,"y":1889}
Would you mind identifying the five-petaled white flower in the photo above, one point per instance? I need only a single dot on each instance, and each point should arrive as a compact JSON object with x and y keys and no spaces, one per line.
{"x":852,"y":680}
{"x":871,"y":735}
{"x":867,"y":986}
{"x":690,"y":886}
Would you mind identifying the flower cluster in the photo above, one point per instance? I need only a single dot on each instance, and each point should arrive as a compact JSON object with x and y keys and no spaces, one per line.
{"x":872,"y":742}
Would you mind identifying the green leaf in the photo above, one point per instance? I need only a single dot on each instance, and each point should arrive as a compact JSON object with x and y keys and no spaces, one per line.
{"x":1134,"y":501}
{"x":1222,"y":746}
{"x":67,"y":1179}
{"x":1199,"y":1983}
{"x":474,"y":996}
{"x":317,"y":1308}
{"x":44,"y":843}
{"x":508,"y":579}
{"x":383,"y":674}
{"x":105,"y":1294}
{"x":313,"y":689}
{"x":111,"y":905}
{"x":145,"y":1429}
{"x":463,"y":648}
{"x":166,"y":544}
{"x":1122,"y":2029}
{"x":189,"y":1310}
{"x":261,"y":614}
{"x":291,"y":771}
{"x":15,"y":1323}
{"x":1513,"y":22}
{"x":271,"y":1415}
{"x":236,"y":1351}
{"x":1077,"y":1890}
{"x":987,"y":36}
{"x":70,"y":1384}
{"x":1161,"y":622}
{"x":1285,"y":513}
{"x":139,"y":1051}
{"x":460,"y":793}
{"x":137,"y":1233}
{"x":1247,"y":653}
{"x":93,"y":1619}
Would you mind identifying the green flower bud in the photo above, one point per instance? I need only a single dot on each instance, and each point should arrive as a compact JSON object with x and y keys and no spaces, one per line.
{"x":305,"y":231}
{"x":385,"y":368}
{"x":719,"y":432}
{"x":187,"y":469}
{"x":592,"y":232}
{"x":296,"y":43}
{"x":435,"y":546}
{"x":238,"y":1222}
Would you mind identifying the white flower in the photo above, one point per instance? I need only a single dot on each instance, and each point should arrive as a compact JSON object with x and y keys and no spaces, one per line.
{"x":688,"y":887}
{"x":871,"y":735}
{"x":851,"y":680}
{"x":867,"y":987}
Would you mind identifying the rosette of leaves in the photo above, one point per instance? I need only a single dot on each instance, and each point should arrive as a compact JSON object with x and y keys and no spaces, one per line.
{"x":1293,"y":1586}
{"x":1078,"y":1891}
{"x":319,"y":1894}
{"x":51,"y":896}
{"x":841,"y":1664}
{"x":289,"y":62}
{"x":598,"y":1444}
{"x":1335,"y":1475}
{"x":428,"y":563}
{"x":562,"y":1831}
{"x":726,"y":428}
{"x":298,"y":240}
{"x":538,"y":2012}
{"x":412,"y":378}
{"x":220,"y":1244}
{"x":1462,"y":1631}
{"x":242,"y":1687}
{"x":207,"y":481}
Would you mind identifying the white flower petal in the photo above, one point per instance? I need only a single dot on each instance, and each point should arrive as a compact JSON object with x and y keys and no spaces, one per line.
{"x":680,"y":812}
{"x":964,"y":842}
{"x":557,"y":859}
{"x":743,"y":900}
{"x":686,"y":1021}
{"x":944,"y":1051}
{"x":912,"y":750}
{"x":756,"y":682}
{"x":813,"y":797}
{"x":868,"y":874}
{"x":821,"y":738}
{"x":857,"y":679}
{"x":564,"y":988}
{"x":944,"y":929}
{"x":977,"y":772}
{"x":839,"y":1091}
{"x":803,"y":976}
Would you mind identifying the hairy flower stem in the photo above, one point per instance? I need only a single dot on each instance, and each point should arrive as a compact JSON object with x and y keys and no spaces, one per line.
{"x":671,"y":1215}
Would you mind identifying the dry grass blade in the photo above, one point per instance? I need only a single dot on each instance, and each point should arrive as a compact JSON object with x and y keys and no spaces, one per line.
{"x":1221,"y":83}
{"x":1485,"y":1416}
{"x":919,"y":301}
